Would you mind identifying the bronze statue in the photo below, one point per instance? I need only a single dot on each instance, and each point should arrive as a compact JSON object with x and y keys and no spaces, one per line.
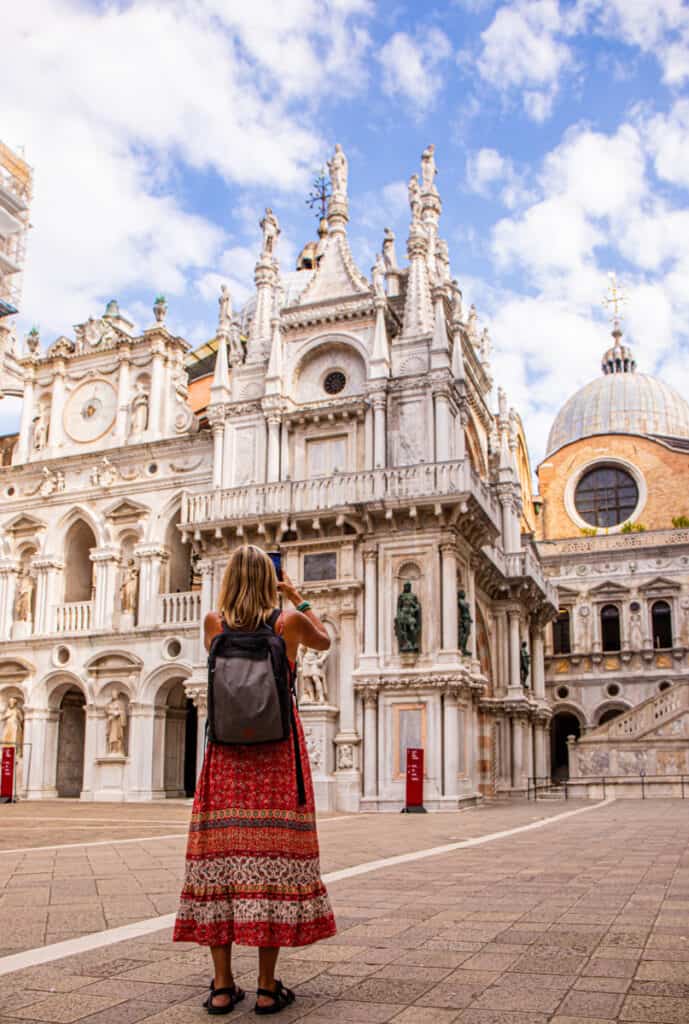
{"x":524,"y":663}
{"x":465,"y":622}
{"x":408,"y":621}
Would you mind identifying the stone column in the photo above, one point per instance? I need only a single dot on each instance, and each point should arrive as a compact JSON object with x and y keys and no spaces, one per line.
{"x":47,"y":596}
{"x":537,"y":661}
{"x":451,"y":743}
{"x":157,"y":380}
{"x":370,"y":602}
{"x":379,"y":434}
{"x":93,"y":721}
{"x":448,"y":555}
{"x":152,"y":557}
{"x":460,"y":437}
{"x":347,"y":773}
{"x":141,"y":748}
{"x":471,"y":598}
{"x":198,"y":692}
{"x":106,"y":561}
{"x":442,"y":426}
{"x":517,"y":752}
{"x":370,"y":743}
{"x":23,"y":449}
{"x":539,"y":749}
{"x":285,"y":472}
{"x":57,"y":405}
{"x":123,"y":393}
{"x":205,"y":567}
{"x":273,"y":448}
{"x":530,"y":749}
{"x":9,"y":572}
{"x":368,"y":439}
{"x":36,"y":754}
{"x":218,"y":429}
{"x":515,"y":683}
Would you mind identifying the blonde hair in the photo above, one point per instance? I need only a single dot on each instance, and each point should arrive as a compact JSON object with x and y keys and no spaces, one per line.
{"x":249,"y":591}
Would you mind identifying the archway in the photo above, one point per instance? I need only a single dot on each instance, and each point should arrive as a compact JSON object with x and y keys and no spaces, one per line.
{"x":78,"y":566}
{"x":69,"y":774}
{"x":180,"y":743}
{"x":611,"y":713}
{"x":563,"y":724}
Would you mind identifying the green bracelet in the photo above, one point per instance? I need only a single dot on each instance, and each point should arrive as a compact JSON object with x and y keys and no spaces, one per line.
{"x":305,"y":606}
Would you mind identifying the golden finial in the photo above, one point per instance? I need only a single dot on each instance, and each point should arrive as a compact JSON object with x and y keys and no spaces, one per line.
{"x":614,"y":299}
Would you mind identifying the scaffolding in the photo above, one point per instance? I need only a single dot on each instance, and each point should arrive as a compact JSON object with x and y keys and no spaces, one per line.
{"x":16,"y":181}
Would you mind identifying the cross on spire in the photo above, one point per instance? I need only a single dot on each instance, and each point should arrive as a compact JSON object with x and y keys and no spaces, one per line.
{"x":614,"y":299}
{"x":319,"y":194}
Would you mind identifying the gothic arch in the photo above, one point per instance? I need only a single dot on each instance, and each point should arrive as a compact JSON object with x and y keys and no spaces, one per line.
{"x":75,"y":513}
{"x":55,"y":685}
{"x":340,"y":351}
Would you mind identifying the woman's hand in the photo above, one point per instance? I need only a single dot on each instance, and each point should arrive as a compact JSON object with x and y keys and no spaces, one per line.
{"x":288,"y":589}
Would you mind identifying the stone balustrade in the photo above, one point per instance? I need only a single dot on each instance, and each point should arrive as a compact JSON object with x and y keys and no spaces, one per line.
{"x":651,"y":713}
{"x":180,"y":609}
{"x":403,"y":484}
{"x":73,"y":617}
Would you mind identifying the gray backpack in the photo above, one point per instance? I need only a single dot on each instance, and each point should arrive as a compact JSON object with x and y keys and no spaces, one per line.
{"x":250,"y":690}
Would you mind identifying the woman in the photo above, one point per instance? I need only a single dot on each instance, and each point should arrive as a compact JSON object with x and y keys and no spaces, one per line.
{"x":253,"y":874}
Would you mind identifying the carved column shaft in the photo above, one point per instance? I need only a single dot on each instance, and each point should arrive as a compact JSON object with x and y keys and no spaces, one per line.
{"x":218,"y":436}
{"x":517,"y":752}
{"x":370,"y":602}
{"x":448,"y":556}
{"x":451,"y":743}
{"x":537,"y":662}
{"x":284,"y":452}
{"x":370,"y":744}
{"x":379,"y":434}
{"x":206,"y":569}
{"x":539,"y":750}
{"x":8,"y":591}
{"x":156,"y":404}
{"x":57,"y":404}
{"x":515,"y":682}
{"x":471,"y":598}
{"x":442,"y":427}
{"x":23,"y":449}
{"x":123,"y":388}
{"x":273,"y":449}
{"x":151,"y":560}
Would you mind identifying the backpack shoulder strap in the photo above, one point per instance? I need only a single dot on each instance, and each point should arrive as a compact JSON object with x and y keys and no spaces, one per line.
{"x":272,"y":619}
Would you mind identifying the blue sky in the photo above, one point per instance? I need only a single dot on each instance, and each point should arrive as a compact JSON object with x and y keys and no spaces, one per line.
{"x":158,"y":131}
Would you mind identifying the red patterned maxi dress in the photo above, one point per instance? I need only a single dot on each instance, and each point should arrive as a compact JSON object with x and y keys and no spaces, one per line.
{"x":252,"y":868}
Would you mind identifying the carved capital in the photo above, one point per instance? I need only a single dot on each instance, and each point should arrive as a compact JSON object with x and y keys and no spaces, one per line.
{"x":370,"y":554}
{"x":151,"y":551}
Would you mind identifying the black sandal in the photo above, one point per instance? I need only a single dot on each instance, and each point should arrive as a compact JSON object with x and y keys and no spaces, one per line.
{"x":280,"y":995}
{"x":236,"y":995}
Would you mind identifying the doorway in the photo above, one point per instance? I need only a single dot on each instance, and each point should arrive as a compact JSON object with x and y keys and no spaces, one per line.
{"x":180,"y":744}
{"x":563,"y":724}
{"x":71,"y":735}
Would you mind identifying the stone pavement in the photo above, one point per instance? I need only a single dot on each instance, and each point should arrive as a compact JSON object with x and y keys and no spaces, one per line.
{"x":584,"y":920}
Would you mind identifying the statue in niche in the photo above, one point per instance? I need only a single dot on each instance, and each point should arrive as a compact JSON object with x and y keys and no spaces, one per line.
{"x":414,"y":191}
{"x":428,"y":168}
{"x":41,"y":426}
{"x":345,"y":756}
{"x":22,"y":611}
{"x":312,"y":672}
{"x":408,"y":621}
{"x":116,"y":715}
{"x":139,"y":409}
{"x":225,"y":309}
{"x":524,"y":663}
{"x":271,"y":229}
{"x":13,"y":724}
{"x":465,"y":622}
{"x":389,"y":254}
{"x":129,"y":588}
{"x":378,"y":275}
{"x":339,"y":171}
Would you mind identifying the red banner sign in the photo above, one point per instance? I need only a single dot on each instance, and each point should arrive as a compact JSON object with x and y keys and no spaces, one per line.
{"x":414,"y":776}
{"x":7,"y":773}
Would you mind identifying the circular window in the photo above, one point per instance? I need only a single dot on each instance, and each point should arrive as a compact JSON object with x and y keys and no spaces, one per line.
{"x":173,"y":648}
{"x":563,"y":692}
{"x":334,"y":382}
{"x":635,"y":607}
{"x":152,"y":468}
{"x":10,"y":492}
{"x":606,"y":496}
{"x":664,"y":686}
{"x":62,"y":655}
{"x":612,"y":690}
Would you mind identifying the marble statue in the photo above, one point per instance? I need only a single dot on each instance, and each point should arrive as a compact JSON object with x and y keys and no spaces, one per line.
{"x":225,"y":310}
{"x":129,"y":588}
{"x":428,"y":168}
{"x":408,"y":621}
{"x":13,"y":723}
{"x":389,"y":254}
{"x":442,"y":261}
{"x":414,"y":197}
{"x":22,"y":612}
{"x":139,"y":409}
{"x":465,"y":621}
{"x":339,"y":170}
{"x":485,"y":345}
{"x":116,"y":715}
{"x":378,"y":275}
{"x":472,"y":328}
{"x":502,"y":404}
{"x":271,"y":229}
{"x":524,"y":663}
{"x":237,"y":353}
{"x":457,"y":311}
{"x":312,"y":670}
{"x":41,"y":426}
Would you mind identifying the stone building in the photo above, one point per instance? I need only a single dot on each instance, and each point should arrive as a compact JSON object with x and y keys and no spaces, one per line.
{"x":348,"y":420}
{"x":613,"y":534}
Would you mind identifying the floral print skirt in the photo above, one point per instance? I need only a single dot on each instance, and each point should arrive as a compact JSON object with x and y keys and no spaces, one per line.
{"x":252,"y":868}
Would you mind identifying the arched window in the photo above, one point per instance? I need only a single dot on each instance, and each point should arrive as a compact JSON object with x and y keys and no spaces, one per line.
{"x":79,"y":575}
{"x":608,"y":715}
{"x":610,"y":627}
{"x":606,"y":496}
{"x":661,"y":616}
{"x":561,"y":633}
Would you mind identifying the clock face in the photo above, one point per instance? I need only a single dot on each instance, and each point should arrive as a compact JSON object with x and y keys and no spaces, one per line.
{"x":90,"y":411}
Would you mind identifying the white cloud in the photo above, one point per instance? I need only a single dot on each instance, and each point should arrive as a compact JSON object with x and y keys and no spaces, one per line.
{"x":489,"y":173}
{"x":129,"y":95}
{"x":411,"y":66}
{"x":668,"y":141}
{"x":659,"y":27}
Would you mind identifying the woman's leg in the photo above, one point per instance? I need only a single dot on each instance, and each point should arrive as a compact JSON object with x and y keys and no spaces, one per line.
{"x":267,"y":959}
{"x":222,"y":964}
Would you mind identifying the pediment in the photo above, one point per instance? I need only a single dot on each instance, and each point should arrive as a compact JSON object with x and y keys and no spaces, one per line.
{"x":609,"y":587}
{"x":112,"y":662}
{"x":24,"y":524}
{"x":336,"y":276}
{"x":660,"y":583}
{"x":13,"y":671}
{"x":567,"y":592}
{"x":126,"y":511}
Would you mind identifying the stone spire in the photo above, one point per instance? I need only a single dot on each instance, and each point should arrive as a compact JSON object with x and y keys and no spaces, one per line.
{"x":418,"y":309}
{"x":380,"y":352}
{"x":220,"y":388}
{"x":430,"y":213}
{"x":457,"y":353}
{"x":440,"y":345}
{"x":265,"y":276}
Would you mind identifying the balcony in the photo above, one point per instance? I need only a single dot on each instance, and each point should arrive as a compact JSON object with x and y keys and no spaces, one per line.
{"x":73,"y":617}
{"x":405,"y":485}
{"x":180,"y":609}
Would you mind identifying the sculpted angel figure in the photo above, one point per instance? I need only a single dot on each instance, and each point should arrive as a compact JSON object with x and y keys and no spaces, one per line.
{"x":225,"y":309}
{"x":116,"y":714}
{"x":456,"y":300}
{"x":378,"y":275}
{"x":414,"y":191}
{"x":271,"y":229}
{"x":389,"y":254}
{"x":428,"y":168}
{"x":472,"y":327}
{"x":485,"y":345}
{"x":339,"y":171}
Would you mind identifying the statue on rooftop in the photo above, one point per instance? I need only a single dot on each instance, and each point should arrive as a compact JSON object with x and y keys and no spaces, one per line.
{"x":414,"y":191}
{"x":428,"y":168}
{"x":271,"y":229}
{"x":339,"y":172}
{"x":225,"y":309}
{"x":378,"y":275}
{"x":389,"y":254}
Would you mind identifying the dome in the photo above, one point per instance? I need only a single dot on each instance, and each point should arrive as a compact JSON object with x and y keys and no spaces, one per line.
{"x":622,"y":401}
{"x":290,"y":288}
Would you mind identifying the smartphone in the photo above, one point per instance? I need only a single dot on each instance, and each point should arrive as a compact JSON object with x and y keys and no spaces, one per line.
{"x":276,"y":559}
